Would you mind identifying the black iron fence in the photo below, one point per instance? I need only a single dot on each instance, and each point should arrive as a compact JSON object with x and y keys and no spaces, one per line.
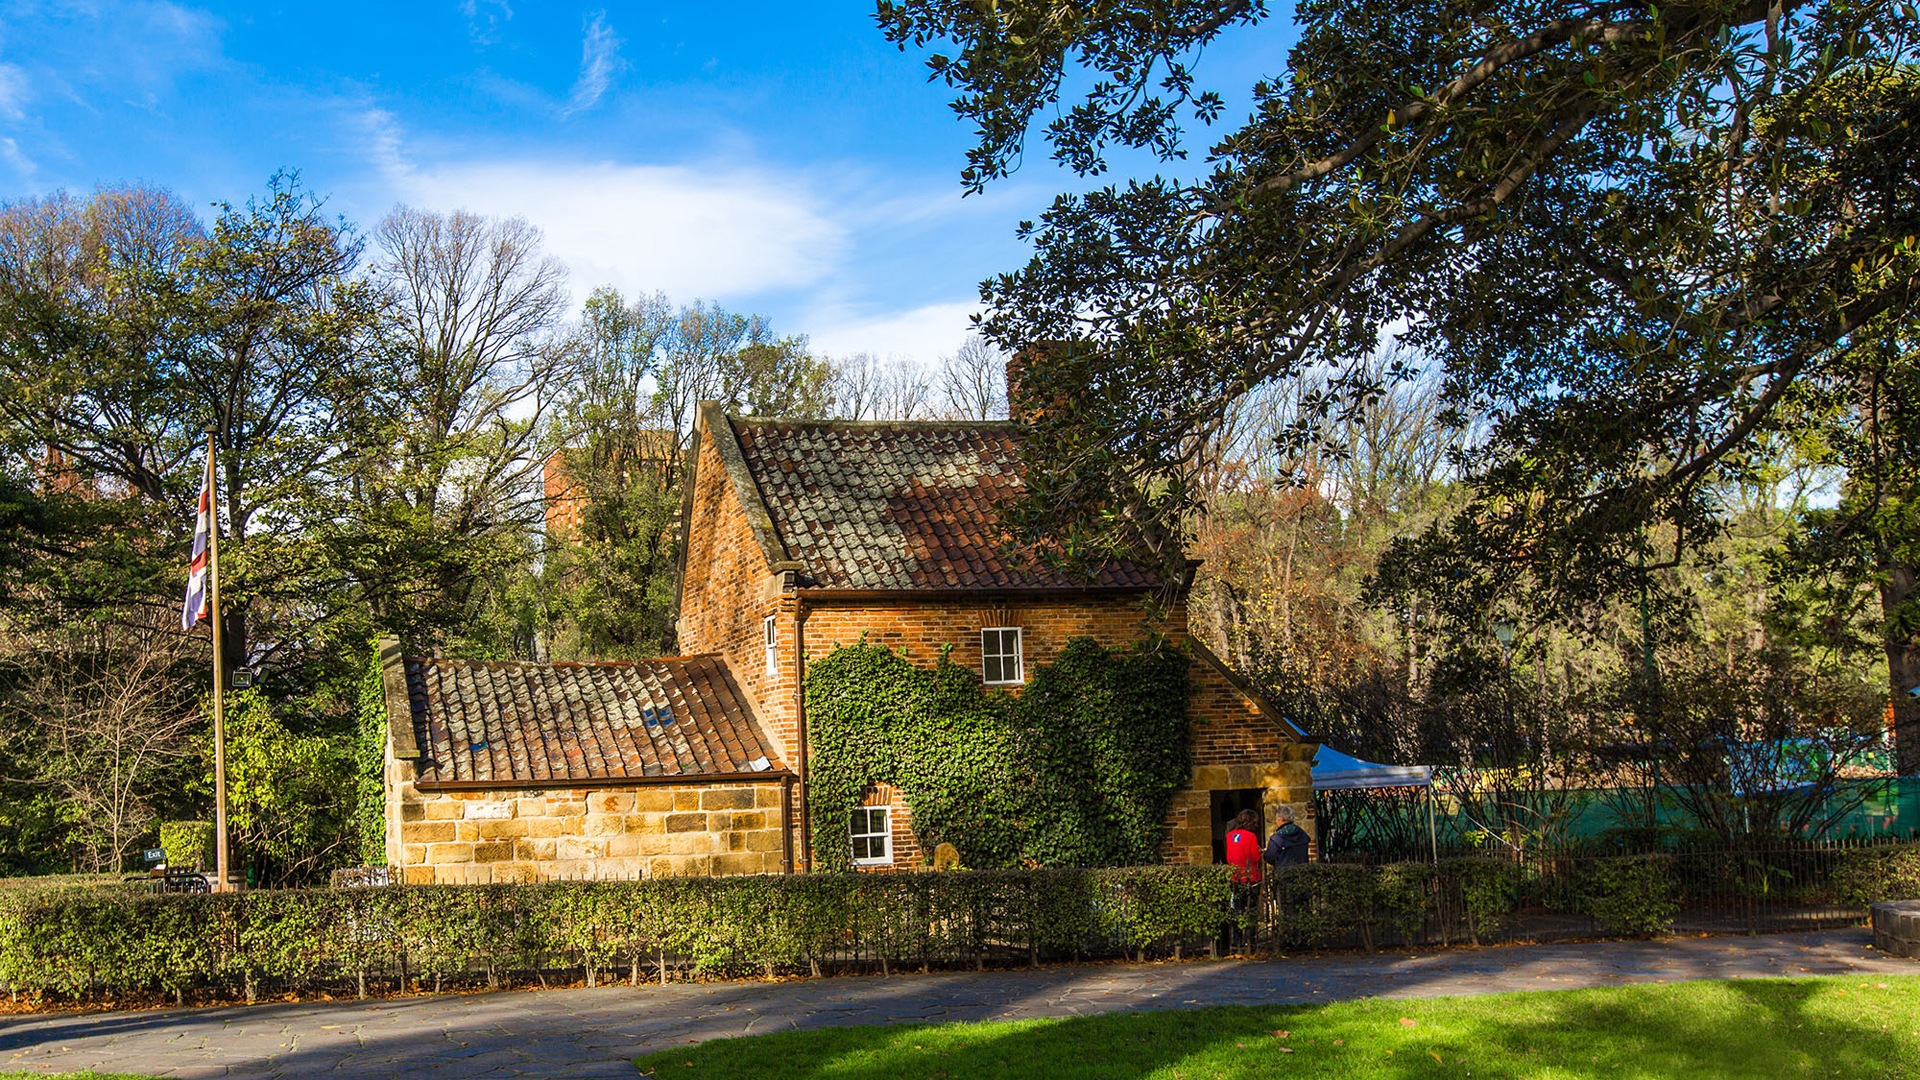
{"x":1481,"y":899}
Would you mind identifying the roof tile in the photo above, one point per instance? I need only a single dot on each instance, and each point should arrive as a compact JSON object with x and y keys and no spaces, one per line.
{"x":901,"y":505}
{"x":523,"y":722}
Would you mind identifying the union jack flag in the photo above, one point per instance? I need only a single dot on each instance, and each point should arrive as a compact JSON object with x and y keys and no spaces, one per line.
{"x":195,"y":608}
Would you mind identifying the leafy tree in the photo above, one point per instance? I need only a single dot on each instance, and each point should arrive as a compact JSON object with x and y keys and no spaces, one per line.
{"x":1626,"y":234}
{"x":628,"y":417}
{"x":130,"y":333}
{"x":290,"y":797}
{"x":447,"y":454}
{"x":1853,"y":567}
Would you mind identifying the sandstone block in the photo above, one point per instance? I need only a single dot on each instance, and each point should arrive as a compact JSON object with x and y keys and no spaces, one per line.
{"x":413,"y":854}
{"x":570,"y":848}
{"x":603,"y":825}
{"x":534,"y":850}
{"x":653,"y":800}
{"x":412,"y":811}
{"x":684,"y":799}
{"x":686,"y":823}
{"x":767,"y":796}
{"x":516,"y":873}
{"x":444,"y":810}
{"x":764,"y":840}
{"x":743,"y":863}
{"x":727,"y":799}
{"x":547,"y":828}
{"x":443,"y":854}
{"x":623,"y":847}
{"x":566,"y":808}
{"x":609,"y":802}
{"x":646,"y":824}
{"x":691,"y":843}
{"x":466,"y":831}
{"x":426,"y":832}
{"x":502,"y":830}
{"x":489,"y":811}
{"x":417,"y":875}
{"x":496,"y":851}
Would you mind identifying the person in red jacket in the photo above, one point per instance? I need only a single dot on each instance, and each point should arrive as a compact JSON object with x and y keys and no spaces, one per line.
{"x":1243,"y":854}
{"x":1243,"y":848}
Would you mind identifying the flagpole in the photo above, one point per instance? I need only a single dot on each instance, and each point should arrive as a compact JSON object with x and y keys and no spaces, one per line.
{"x":219,"y":677}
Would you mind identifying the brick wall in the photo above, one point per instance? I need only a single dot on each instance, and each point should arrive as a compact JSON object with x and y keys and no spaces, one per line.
{"x":726,"y":592}
{"x":922,"y":628}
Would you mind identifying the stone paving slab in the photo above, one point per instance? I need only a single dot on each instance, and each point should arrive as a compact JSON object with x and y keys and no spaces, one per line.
{"x":595,"y":1033}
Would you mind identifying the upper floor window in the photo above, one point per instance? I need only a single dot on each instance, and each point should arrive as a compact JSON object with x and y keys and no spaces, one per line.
{"x":872,"y":836}
{"x":772,"y":633}
{"x":1000,"y":659}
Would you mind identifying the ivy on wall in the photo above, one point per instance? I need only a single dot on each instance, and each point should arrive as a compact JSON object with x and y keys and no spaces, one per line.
{"x":1076,"y":770}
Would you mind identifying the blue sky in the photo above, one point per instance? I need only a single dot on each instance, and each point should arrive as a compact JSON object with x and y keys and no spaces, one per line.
{"x":779,"y":158}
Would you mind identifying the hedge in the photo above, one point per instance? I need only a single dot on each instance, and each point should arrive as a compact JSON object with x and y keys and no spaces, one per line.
{"x":73,"y":943}
{"x":84,"y":937}
{"x":1480,"y":899}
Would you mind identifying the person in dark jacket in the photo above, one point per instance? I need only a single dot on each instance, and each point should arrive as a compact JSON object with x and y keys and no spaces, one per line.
{"x":1288,"y":844}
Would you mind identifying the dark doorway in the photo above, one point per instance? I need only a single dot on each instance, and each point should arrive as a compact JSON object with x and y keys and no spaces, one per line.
{"x":1227,"y":806}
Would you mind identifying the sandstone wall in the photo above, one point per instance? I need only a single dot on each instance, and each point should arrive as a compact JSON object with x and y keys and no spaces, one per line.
{"x":523,"y":835}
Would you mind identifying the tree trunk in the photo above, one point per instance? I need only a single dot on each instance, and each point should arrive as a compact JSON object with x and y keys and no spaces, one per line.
{"x":1903,"y":665}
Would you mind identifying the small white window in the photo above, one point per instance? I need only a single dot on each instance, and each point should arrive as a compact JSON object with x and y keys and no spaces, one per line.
{"x":1000,"y":663}
{"x":872,"y":836}
{"x":773,"y":646}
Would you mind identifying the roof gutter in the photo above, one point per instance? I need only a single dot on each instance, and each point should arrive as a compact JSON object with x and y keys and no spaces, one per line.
{"x":769,"y":776}
{"x":820,"y":597}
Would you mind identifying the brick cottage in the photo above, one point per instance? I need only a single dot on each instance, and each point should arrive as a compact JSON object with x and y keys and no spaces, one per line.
{"x":797,"y":536}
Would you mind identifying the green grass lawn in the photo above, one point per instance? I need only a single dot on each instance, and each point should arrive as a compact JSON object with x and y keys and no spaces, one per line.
{"x":1858,"y":1027}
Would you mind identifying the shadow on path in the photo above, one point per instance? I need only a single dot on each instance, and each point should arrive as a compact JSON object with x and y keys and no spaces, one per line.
{"x":593,"y":1033}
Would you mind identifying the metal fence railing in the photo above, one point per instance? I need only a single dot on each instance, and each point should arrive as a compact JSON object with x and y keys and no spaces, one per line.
{"x":1779,"y":887}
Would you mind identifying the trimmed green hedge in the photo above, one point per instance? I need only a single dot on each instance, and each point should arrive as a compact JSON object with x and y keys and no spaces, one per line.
{"x":82,"y":937}
{"x":1479,"y":899}
{"x":73,"y":943}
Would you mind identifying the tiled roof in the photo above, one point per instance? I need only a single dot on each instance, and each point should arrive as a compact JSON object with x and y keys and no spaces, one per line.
{"x":520,"y":723}
{"x":899,"y":505}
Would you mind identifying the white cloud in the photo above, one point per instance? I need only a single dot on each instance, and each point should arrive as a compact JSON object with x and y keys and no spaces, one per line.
{"x":921,"y":335}
{"x":599,"y":63}
{"x":690,"y":232}
{"x":485,"y":18}
{"x":14,"y":91}
{"x":10,"y":153}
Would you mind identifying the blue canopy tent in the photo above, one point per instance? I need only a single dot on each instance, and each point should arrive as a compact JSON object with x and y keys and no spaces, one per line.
{"x":1335,"y":771}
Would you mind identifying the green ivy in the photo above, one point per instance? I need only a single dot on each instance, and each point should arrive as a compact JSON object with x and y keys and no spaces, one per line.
{"x":370,"y":746}
{"x":1076,"y":770}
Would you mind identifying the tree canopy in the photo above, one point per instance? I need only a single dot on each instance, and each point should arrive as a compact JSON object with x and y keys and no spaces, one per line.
{"x":1628,"y":237}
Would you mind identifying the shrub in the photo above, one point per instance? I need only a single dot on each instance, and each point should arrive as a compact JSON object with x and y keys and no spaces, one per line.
{"x":189,"y":844}
{"x":1868,"y":875}
{"x":1632,"y":894}
{"x":68,"y":942}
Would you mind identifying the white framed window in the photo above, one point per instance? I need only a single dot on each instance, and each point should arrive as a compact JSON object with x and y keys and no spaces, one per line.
{"x":872,"y":832}
{"x":1000,"y":659}
{"x":772,"y":633}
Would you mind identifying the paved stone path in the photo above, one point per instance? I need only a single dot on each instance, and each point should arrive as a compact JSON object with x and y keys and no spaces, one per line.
{"x":596,"y":1033}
